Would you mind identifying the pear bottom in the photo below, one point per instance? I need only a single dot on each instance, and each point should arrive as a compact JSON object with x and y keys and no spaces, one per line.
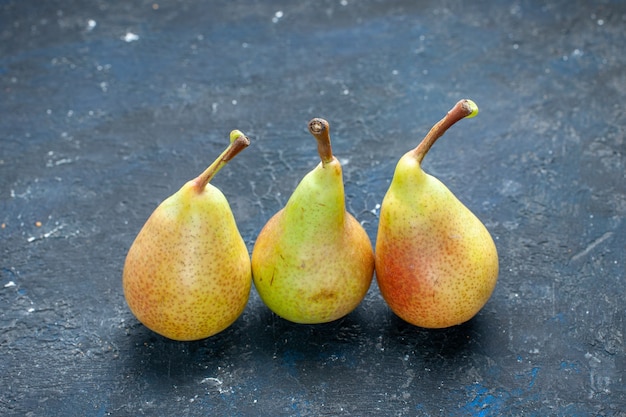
{"x":438,"y":280}
{"x":319,"y":282}
{"x":433,"y":297}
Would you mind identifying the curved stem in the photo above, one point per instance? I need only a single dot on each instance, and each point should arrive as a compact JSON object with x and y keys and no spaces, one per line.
{"x":238,"y":142}
{"x":320,"y":129}
{"x":462,"y":109}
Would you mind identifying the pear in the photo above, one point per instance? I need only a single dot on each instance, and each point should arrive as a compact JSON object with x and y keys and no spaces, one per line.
{"x":313,"y":262}
{"x":436,"y":263}
{"x":187,"y":275}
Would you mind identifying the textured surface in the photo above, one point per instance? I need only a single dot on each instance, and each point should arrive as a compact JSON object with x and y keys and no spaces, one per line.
{"x":109,"y":107}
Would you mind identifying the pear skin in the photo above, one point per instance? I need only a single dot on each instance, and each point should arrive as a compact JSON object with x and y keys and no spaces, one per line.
{"x":313,"y":262}
{"x":187,"y":275}
{"x":436,"y":263}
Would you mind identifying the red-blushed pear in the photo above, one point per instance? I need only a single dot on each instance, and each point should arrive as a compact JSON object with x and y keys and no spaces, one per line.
{"x":187,"y":275}
{"x":436,"y":263}
{"x":313,"y":261}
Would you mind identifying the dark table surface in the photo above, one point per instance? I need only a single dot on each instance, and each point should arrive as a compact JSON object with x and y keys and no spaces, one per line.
{"x":108,"y":107}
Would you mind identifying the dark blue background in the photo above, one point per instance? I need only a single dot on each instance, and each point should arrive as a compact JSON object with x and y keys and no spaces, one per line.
{"x":96,"y":129}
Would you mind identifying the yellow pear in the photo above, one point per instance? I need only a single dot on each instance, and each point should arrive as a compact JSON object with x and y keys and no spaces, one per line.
{"x":187,"y":275}
{"x":436,"y":263}
{"x":313,"y":261}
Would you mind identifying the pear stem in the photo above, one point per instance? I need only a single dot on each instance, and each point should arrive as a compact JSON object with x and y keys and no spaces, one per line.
{"x":320,"y":129}
{"x":238,"y":142}
{"x":462,"y":109}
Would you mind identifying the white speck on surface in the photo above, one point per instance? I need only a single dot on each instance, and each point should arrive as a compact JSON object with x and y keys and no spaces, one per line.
{"x":212,"y":381}
{"x":30,"y":310}
{"x":591,"y":246}
{"x":234,"y":102}
{"x":511,"y":188}
{"x":345,"y":92}
{"x":9,"y":284}
{"x":91,"y":24}
{"x":510,"y":225}
{"x":395,"y":72}
{"x":50,"y":233}
{"x":277,"y":16}
{"x":104,"y":86}
{"x":600,"y":22}
{"x":130,"y":37}
{"x":217,"y":383}
{"x":63,"y":161}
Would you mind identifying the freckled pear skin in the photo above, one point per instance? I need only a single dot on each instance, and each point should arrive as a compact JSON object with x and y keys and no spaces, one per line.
{"x":313,"y":262}
{"x":187,"y":275}
{"x":436,"y":263}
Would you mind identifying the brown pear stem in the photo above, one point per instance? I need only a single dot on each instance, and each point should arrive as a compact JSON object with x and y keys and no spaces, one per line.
{"x":320,"y":129}
{"x":462,"y":109}
{"x":238,"y":142}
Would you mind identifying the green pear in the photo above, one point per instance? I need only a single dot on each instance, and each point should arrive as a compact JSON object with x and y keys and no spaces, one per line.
{"x":436,"y":263}
{"x":187,"y":275}
{"x":313,"y":262}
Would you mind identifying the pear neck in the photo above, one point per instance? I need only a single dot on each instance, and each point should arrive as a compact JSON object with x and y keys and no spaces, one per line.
{"x":408,"y":172}
{"x":320,"y":199}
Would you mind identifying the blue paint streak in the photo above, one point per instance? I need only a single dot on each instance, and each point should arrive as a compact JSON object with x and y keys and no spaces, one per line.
{"x":485,"y":402}
{"x":559,"y":318}
{"x":569,"y":366}
{"x":290,"y":361}
{"x":533,"y":376}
